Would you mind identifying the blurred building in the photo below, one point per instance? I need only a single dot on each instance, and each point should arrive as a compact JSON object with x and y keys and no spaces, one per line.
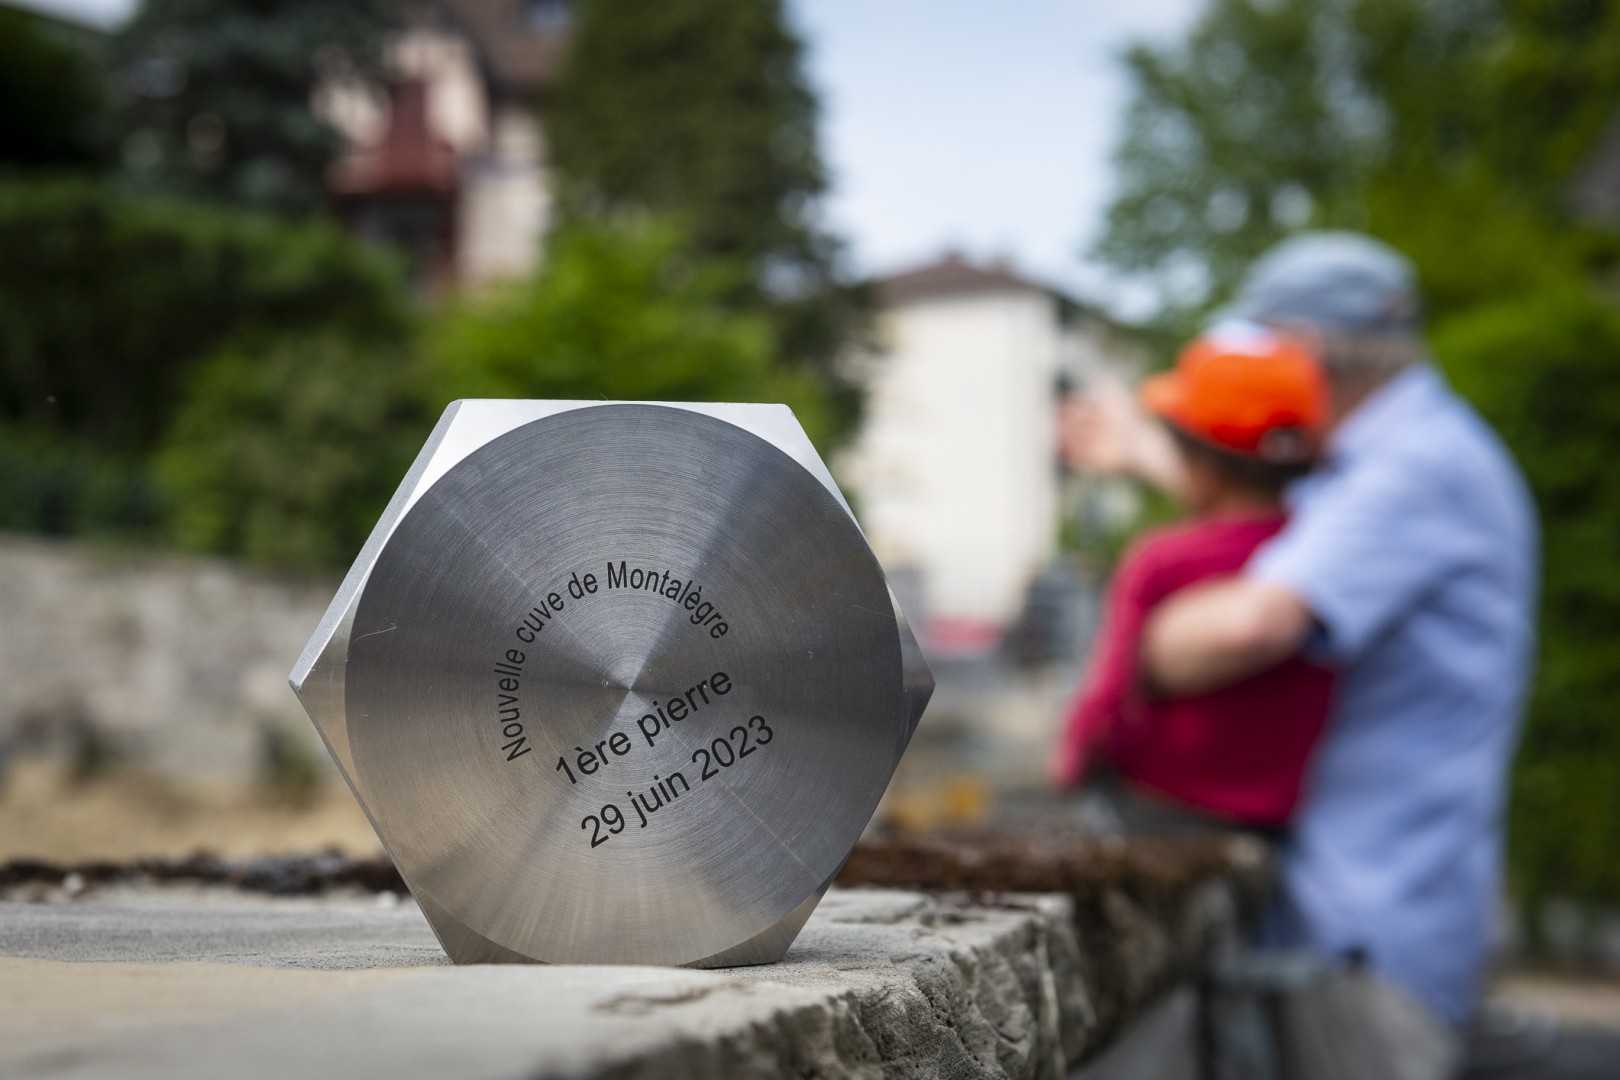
{"x":955,"y":472}
{"x":448,"y":163}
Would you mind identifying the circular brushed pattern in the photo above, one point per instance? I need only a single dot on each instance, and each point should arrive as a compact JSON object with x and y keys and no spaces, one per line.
{"x":499,"y":832}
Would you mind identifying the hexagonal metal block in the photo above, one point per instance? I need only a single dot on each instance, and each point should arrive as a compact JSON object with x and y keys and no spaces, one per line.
{"x":616,"y":682}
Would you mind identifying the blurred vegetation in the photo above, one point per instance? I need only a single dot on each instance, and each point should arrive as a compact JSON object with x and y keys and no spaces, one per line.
{"x":215,"y":95}
{"x":184,"y":360}
{"x":1455,"y":130}
{"x":285,"y":450}
{"x":697,"y":111}
{"x":286,"y":447}
{"x":621,"y":310}
{"x":109,"y":303}
{"x":289,"y":767}
{"x":1546,"y":369}
{"x":51,"y":95}
{"x":110,"y":306}
{"x":57,"y":487}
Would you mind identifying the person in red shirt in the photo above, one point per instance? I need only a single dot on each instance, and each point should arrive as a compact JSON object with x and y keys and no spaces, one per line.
{"x":1246,"y":408}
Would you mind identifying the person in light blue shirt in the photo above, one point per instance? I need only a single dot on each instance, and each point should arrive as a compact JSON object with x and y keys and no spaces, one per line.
{"x":1411,"y":560}
{"x":1413,"y":553}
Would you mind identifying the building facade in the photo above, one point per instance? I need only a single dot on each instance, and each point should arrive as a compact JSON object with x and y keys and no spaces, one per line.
{"x":448,"y":163}
{"x":955,"y":472}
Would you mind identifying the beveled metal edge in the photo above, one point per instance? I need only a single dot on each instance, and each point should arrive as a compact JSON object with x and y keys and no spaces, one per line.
{"x":917,"y":677}
{"x":770,"y":944}
{"x":318,"y":676}
{"x":462,"y":944}
{"x":480,"y":421}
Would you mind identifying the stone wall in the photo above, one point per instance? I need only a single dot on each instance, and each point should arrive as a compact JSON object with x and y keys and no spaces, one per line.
{"x":881,"y":984}
{"x":179,"y":661}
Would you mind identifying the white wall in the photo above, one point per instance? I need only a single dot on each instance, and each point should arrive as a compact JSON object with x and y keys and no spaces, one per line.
{"x":953,"y":471}
{"x":505,"y":201}
{"x":457,"y":105}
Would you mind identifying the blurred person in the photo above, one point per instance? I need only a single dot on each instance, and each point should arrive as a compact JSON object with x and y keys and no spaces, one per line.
{"x":1410,"y":558}
{"x":1245,"y":409}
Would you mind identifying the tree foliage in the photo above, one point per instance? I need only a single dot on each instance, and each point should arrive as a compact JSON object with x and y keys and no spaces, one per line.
{"x":218,"y":95}
{"x":621,"y":311}
{"x":1451,"y":128}
{"x":286,"y":446}
{"x":51,"y":96}
{"x":1545,"y":369}
{"x":253,"y":386}
{"x":697,"y":111}
{"x":110,"y":306}
{"x":1233,"y":137}
{"x":1423,"y":122}
{"x":55,"y":487}
{"x":285,"y":450}
{"x":108,"y":303}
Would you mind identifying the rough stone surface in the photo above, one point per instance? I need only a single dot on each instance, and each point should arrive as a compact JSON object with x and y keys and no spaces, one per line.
{"x":207,"y":983}
{"x":179,"y":659}
{"x":1146,"y":908}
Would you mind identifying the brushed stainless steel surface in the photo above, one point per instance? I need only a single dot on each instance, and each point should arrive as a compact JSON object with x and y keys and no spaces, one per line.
{"x":571,"y":764}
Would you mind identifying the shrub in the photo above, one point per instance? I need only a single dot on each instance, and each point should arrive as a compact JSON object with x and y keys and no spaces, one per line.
{"x":108,"y":304}
{"x":56,"y":488}
{"x":1545,"y":371}
{"x":286,"y":451}
{"x":618,"y":312}
{"x":51,"y":94}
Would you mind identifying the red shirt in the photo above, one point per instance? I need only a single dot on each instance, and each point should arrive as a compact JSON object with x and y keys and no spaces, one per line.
{"x":1239,"y":752}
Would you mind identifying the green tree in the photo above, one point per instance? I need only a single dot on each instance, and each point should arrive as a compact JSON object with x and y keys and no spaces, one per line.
{"x":698,"y":111}
{"x":286,"y":446}
{"x":1406,"y":118}
{"x":286,"y":450}
{"x":622,"y":311}
{"x":108,"y":307}
{"x":1452,"y":129}
{"x":108,"y":303}
{"x":219,"y":95}
{"x":51,"y":96}
{"x":1543,"y":368}
{"x":56,"y":487}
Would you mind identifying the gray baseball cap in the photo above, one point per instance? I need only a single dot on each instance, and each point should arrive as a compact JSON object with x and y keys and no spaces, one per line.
{"x":1334,"y":280}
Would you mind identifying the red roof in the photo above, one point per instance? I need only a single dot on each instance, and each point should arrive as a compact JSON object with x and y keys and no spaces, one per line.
{"x":954,"y":276}
{"x":408,"y":159}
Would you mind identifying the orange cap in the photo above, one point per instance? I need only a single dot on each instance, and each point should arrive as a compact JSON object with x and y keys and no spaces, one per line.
{"x":1246,"y":389}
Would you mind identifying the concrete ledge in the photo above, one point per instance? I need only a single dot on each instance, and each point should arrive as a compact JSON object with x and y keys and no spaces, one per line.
{"x":205,"y":983}
{"x":1146,"y":910}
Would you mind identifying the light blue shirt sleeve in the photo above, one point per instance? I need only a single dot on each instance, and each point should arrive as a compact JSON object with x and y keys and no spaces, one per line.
{"x":1363,"y":547}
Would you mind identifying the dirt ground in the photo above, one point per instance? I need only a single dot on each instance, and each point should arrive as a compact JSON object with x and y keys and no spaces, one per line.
{"x":131,"y":814}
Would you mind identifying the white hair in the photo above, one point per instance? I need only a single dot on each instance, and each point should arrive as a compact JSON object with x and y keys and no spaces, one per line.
{"x":1362,"y":359}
